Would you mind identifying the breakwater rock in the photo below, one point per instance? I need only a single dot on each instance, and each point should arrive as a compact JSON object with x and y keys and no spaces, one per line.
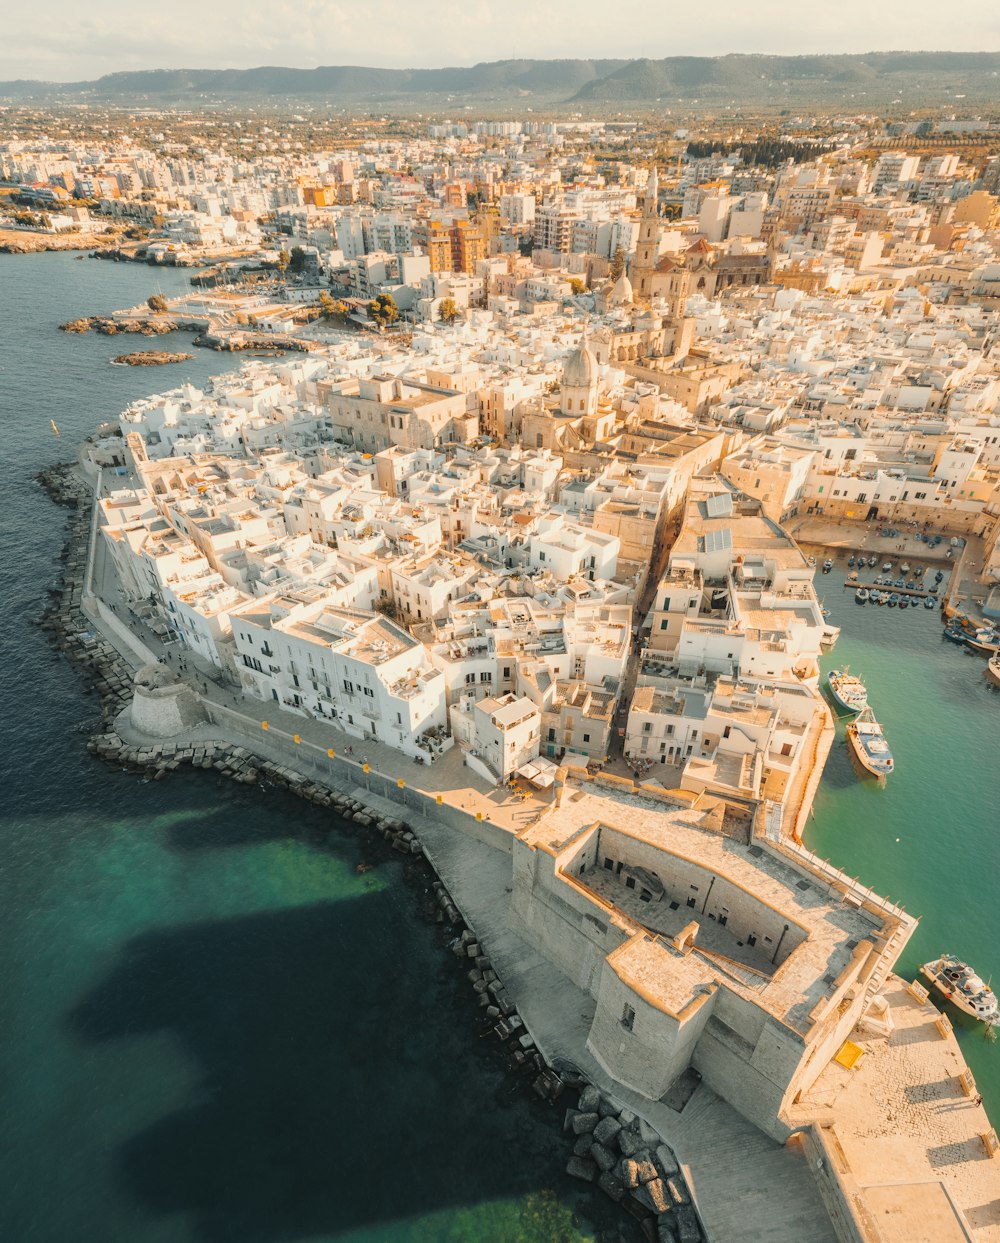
{"x":112,"y":327}
{"x":624,"y":1156}
{"x":151,"y":358}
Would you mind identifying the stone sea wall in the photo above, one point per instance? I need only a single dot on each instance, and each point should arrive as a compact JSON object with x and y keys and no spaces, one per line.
{"x":610,"y":1147}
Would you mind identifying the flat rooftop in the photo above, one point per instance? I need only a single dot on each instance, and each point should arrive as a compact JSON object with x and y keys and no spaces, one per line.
{"x":834,"y":928}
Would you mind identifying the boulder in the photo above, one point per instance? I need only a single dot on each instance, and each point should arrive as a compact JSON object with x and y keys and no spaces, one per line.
{"x":603,"y":1157}
{"x":628,"y":1172}
{"x":611,"y":1186}
{"x":665,"y":1231}
{"x":678,"y":1190}
{"x":583,"y":1146}
{"x":580,"y":1167}
{"x":568,"y":1118}
{"x":686,"y":1224}
{"x":607,"y":1109}
{"x":606,"y":1131}
{"x":629,"y":1142}
{"x":654,"y":1195}
{"x":666,"y":1161}
{"x":590,"y":1100}
{"x":584,"y":1123}
{"x":646,"y":1133}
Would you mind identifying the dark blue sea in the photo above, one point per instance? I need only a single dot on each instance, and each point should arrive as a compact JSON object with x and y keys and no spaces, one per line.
{"x":211,"y":1027}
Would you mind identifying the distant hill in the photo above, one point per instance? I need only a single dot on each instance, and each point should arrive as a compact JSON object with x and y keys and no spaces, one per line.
{"x":875,"y":77}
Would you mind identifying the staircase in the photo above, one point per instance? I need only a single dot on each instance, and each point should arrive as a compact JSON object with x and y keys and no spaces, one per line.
{"x":746,"y":1185}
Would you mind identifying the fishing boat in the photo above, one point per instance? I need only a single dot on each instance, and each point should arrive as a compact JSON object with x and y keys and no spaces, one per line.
{"x":903,"y":602}
{"x":829,"y":636}
{"x":954,"y":634}
{"x":904,"y":568}
{"x":868,"y":742}
{"x":873,"y":560}
{"x":861,"y":595}
{"x":929,"y":602}
{"x":918,"y":571}
{"x":887,"y":567}
{"x":985,"y":641}
{"x":893,"y":600}
{"x":853,"y":576}
{"x":956,"y":981}
{"x":938,"y":576}
{"x":993,"y":670}
{"x":827,"y":566}
{"x":851,"y":561}
{"x":848,"y":691}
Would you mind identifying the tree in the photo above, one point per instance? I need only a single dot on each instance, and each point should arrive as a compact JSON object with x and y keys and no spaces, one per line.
{"x":157,"y":302}
{"x":330,"y":307}
{"x":283,"y":260}
{"x":576,"y":285}
{"x":617,"y":265}
{"x":297,"y":261}
{"x":383,"y":310}
{"x":448,"y":310}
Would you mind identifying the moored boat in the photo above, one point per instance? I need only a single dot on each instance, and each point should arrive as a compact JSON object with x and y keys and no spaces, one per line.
{"x":929,"y":602}
{"x":904,"y":568}
{"x":956,"y":981}
{"x":993,"y":670}
{"x":986,"y":642}
{"x":827,"y":566}
{"x":869,"y":745}
{"x":893,"y":600}
{"x":861,"y":595}
{"x":847,"y":690}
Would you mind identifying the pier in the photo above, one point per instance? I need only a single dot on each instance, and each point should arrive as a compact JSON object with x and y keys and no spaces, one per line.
{"x":917,"y":592}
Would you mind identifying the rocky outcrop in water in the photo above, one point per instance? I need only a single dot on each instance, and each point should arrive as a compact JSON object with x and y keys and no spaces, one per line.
{"x":112,"y":327}
{"x":151,"y":358}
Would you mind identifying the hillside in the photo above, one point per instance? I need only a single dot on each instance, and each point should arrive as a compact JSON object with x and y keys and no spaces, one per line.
{"x":877,"y":77}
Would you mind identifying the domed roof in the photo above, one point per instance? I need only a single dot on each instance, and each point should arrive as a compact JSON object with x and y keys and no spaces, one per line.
{"x":621,"y":292}
{"x":580,"y":369}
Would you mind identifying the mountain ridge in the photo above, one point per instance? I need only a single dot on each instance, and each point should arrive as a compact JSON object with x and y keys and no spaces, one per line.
{"x":734,"y":78}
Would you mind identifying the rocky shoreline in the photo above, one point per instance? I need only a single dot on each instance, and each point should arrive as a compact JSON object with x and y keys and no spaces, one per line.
{"x":112,"y":327}
{"x":150,"y":358}
{"x":611,"y":1147}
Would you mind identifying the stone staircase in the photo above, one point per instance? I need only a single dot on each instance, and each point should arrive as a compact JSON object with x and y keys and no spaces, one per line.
{"x":746,"y":1185}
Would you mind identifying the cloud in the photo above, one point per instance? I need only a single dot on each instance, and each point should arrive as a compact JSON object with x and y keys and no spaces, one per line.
{"x":74,"y":42}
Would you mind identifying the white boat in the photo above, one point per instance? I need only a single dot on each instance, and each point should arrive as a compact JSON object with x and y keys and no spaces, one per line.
{"x":869,"y":744}
{"x":848,"y":691}
{"x":829,"y":636}
{"x":957,"y":981}
{"x":993,"y":670}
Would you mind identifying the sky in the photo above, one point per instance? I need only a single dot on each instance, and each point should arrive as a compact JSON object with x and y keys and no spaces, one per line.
{"x":67,"y":40}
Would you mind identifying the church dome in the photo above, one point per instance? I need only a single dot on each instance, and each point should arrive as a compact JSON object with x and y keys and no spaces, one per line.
{"x":580,"y":369}
{"x":621,"y":292}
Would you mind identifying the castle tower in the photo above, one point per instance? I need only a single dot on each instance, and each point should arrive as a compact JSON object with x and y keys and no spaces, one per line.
{"x":644,"y":263}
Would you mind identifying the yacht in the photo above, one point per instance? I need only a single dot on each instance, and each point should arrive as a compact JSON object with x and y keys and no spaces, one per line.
{"x":869,"y":744}
{"x":957,"y":981}
{"x":847,"y":690}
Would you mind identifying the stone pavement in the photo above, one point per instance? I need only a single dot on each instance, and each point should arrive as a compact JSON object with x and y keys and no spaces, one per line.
{"x":904,"y":1124}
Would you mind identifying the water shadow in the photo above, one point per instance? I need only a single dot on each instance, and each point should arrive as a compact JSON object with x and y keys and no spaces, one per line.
{"x":331,"y":1097}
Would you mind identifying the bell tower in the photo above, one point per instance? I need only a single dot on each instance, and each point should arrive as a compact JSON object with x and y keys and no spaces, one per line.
{"x":644,"y":264}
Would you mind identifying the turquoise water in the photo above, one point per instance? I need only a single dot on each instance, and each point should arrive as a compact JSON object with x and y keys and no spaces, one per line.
{"x":930,"y":839}
{"x":211,"y":1027}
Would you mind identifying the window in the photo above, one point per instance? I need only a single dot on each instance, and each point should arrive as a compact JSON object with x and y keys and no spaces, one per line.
{"x":629,"y":882}
{"x":541,"y":556}
{"x":552,"y":735}
{"x":586,"y":738}
{"x":469,"y":678}
{"x":664,"y":623}
{"x":369,"y":692}
{"x":647,"y":727}
{"x":727,"y":731}
{"x":609,"y":864}
{"x":486,"y":677}
{"x":349,"y":687}
{"x":628,"y":1018}
{"x":506,"y":671}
